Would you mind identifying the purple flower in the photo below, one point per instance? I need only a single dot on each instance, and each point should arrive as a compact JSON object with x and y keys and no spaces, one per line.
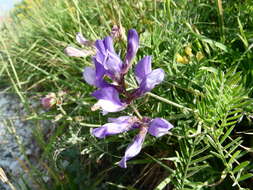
{"x":156,"y":127}
{"x":49,"y":100}
{"x":116,"y":126}
{"x":146,"y":77}
{"x":82,"y":40}
{"x":107,"y":57}
{"x":134,"y":148}
{"x":108,"y":100}
{"x":75,"y":52}
{"x":132,"y":45}
{"x":159,"y":127}
{"x":95,"y":76}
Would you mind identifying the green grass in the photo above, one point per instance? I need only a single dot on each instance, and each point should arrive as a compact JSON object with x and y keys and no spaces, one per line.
{"x":209,"y":101}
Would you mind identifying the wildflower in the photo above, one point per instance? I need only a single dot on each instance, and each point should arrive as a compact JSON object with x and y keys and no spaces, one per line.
{"x":132,"y":46}
{"x":95,"y":76}
{"x":156,"y":127}
{"x":108,"y":100}
{"x":108,"y":63}
{"x":75,"y":52}
{"x":181,"y":59}
{"x":146,"y":77}
{"x":49,"y":100}
{"x":199,"y":55}
{"x":108,"y":58}
{"x":117,"y":31}
{"x":134,"y":148}
{"x":113,"y":66}
{"x":82,"y":40}
{"x":188,"y":51}
{"x":116,"y":126}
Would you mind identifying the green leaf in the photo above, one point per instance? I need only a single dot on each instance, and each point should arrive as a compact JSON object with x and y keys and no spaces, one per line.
{"x":196,"y":169}
{"x":227,"y":134}
{"x":234,"y":117}
{"x":217,"y":155}
{"x":209,"y":69}
{"x":201,"y":159}
{"x":165,"y":182}
{"x":246,"y":176}
{"x":201,"y":150}
{"x":241,"y":166}
{"x":162,"y":164}
{"x":235,"y":141}
{"x":234,"y":156}
{"x":229,"y":124}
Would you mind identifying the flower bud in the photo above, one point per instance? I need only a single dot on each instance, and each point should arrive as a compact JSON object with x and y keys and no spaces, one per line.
{"x":49,"y":100}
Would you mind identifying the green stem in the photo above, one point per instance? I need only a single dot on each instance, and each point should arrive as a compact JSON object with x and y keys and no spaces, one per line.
{"x":163,"y":99}
{"x":136,"y":111}
{"x":169,"y":102}
{"x":89,"y":125}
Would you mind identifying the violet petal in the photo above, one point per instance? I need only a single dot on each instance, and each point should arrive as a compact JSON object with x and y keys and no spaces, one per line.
{"x":119,"y":119}
{"x":143,"y":68}
{"x":134,"y":148}
{"x":132,"y":45}
{"x":159,"y":127}
{"x":82,"y":40}
{"x":89,"y":75}
{"x":108,"y":58}
{"x":100,"y":73}
{"x":113,"y":63}
{"x":152,"y":79}
{"x":108,"y":100}
{"x":74,"y":52}
{"x":108,"y":44}
{"x":116,"y":126}
{"x":110,"y":129}
{"x":99,"y":44}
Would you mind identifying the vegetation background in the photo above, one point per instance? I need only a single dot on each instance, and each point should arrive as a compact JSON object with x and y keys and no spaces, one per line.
{"x":205,"y":48}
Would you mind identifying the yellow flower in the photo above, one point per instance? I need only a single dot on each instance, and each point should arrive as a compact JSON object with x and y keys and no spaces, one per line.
{"x":188,"y":51}
{"x":71,"y":9}
{"x":199,"y":55}
{"x":181,"y":59}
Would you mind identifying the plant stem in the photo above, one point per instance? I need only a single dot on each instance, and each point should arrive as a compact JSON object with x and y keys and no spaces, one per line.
{"x":89,"y":125}
{"x":169,"y":102}
{"x":162,"y":99}
{"x":11,"y":186}
{"x":136,"y":111}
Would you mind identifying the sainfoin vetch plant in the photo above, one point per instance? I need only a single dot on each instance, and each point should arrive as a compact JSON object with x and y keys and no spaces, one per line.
{"x":108,"y":65}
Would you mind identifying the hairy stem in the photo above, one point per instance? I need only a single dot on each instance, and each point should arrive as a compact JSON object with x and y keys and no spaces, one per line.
{"x":169,"y":102}
{"x":136,"y":111}
{"x":163,"y":99}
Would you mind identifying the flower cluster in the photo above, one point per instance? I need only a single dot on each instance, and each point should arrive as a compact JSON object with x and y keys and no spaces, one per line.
{"x":156,"y":127}
{"x":109,"y":65}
